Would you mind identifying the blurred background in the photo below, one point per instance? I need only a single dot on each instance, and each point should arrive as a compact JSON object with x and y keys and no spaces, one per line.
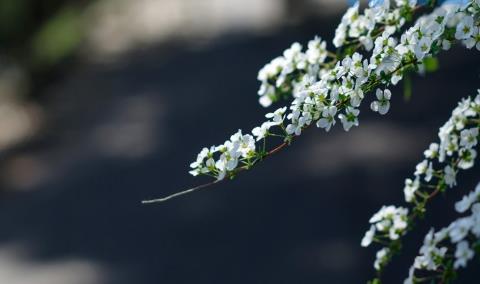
{"x":104,"y":103}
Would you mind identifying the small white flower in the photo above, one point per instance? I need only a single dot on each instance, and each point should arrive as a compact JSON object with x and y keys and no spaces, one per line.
{"x":423,"y":47}
{"x":411,"y":276}
{"x":464,"y":204}
{"x":328,"y":118}
{"x":464,"y":28}
{"x":429,"y":173}
{"x":410,"y":188}
{"x":368,"y":238}
{"x":463,"y":254}
{"x":421,"y":168}
{"x":316,"y":52}
{"x":381,"y":258}
{"x":468,"y":137}
{"x":476,"y":217}
{"x":265,"y":101}
{"x":441,"y":235}
{"x":277,"y":116}
{"x":382,"y":105}
{"x":450,"y":176}
{"x":243,"y":145}
{"x":467,"y":158}
{"x":350,"y":118}
{"x":429,"y":253}
{"x":474,"y":40}
{"x":432,"y":151}
{"x":459,"y":229}
{"x":261,"y":131}
{"x":294,"y":128}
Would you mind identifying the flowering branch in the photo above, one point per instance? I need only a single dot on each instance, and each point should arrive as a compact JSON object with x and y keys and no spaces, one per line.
{"x":321,"y":88}
{"x":456,"y":151}
{"x":325,"y":86}
{"x":437,"y":256}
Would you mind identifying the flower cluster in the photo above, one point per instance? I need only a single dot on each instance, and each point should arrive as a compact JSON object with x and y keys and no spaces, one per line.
{"x":363,"y":26}
{"x":221,"y":161}
{"x":337,"y":90}
{"x":284,"y":74}
{"x":458,"y":139}
{"x":327,"y":87}
{"x":458,"y":136}
{"x":468,"y":32}
{"x":387,"y":224}
{"x":390,"y":222}
{"x":238,"y":147}
{"x":463,"y":233}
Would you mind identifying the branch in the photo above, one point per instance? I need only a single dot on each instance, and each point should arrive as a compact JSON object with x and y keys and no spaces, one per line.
{"x":181,"y":193}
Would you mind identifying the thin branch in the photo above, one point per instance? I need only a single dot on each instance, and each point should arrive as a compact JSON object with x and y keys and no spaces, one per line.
{"x":190,"y":190}
{"x":180,"y":193}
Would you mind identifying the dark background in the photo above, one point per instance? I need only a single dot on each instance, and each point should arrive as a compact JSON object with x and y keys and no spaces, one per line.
{"x":106,"y":103}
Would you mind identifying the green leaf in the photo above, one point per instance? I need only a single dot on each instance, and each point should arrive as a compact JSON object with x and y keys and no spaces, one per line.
{"x":431,"y":64}
{"x":58,"y":38}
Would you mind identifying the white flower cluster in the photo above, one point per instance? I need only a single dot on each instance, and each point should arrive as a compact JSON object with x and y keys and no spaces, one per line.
{"x":357,"y":26}
{"x":219,"y":161}
{"x":340,"y":90}
{"x":388,"y":223}
{"x":433,"y":254}
{"x":346,"y":83}
{"x":239,"y":146}
{"x":458,"y":139}
{"x":285,"y":73}
{"x":468,"y":32}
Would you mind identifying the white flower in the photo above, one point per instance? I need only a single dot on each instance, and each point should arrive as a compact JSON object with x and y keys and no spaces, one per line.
{"x":392,"y":220}
{"x":467,"y":158}
{"x":381,"y":258}
{"x":464,"y":28}
{"x":459,"y":229}
{"x":476,"y":217}
{"x":450,"y":176}
{"x":316,"y":52}
{"x":294,"y":128}
{"x":464,"y":204}
{"x":421,"y":168}
{"x":463,"y":253}
{"x":441,"y":235}
{"x":411,"y":276}
{"x":200,"y":166}
{"x":423,"y":47}
{"x":410,"y":188}
{"x":468,"y":137}
{"x":429,"y":253}
{"x":261,"y":131}
{"x":328,"y":118}
{"x":277,"y":116}
{"x":382,"y":105}
{"x":474,"y":40}
{"x":368,"y":238}
{"x":265,"y":101}
{"x":242,"y":144}
{"x":350,"y":118}
{"x":432,"y":151}
{"x":429,"y":173}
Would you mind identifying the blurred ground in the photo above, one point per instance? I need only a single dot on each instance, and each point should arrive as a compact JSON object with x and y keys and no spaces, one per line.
{"x":126,"y":112}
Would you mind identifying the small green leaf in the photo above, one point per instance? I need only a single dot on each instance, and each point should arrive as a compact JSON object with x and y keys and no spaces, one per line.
{"x":431,"y":64}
